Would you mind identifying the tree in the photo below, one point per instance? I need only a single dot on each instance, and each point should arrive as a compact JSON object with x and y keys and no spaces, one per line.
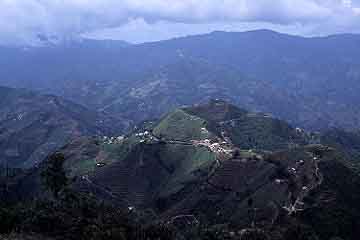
{"x":54,"y":175}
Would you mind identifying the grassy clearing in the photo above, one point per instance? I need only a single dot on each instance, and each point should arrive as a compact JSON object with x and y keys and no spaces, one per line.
{"x":182,"y":126}
{"x":187,"y":162}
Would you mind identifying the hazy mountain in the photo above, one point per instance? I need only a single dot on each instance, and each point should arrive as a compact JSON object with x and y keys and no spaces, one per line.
{"x":33,"y":125}
{"x":307,"y":81}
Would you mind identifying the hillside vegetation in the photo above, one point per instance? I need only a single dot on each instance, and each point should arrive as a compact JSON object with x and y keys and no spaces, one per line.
{"x":34,"y":125}
{"x":210,"y":171}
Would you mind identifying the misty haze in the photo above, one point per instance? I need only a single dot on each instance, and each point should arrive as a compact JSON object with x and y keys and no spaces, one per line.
{"x":181,"y":119}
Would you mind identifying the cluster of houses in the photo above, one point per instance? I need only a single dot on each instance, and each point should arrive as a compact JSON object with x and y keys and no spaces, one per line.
{"x":113,"y":140}
{"x":143,"y":137}
{"x":143,"y":134}
{"x":216,"y":147}
{"x":146,"y":137}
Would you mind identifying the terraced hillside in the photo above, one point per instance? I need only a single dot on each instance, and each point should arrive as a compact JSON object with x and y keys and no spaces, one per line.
{"x":248,"y":130}
{"x":252,"y":190}
{"x":281,"y":180}
{"x":189,"y":168}
{"x":33,"y":125}
{"x":181,"y":148}
{"x":347,"y":142}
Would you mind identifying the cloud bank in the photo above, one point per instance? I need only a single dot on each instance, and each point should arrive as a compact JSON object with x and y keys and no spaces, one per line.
{"x":26,"y":20}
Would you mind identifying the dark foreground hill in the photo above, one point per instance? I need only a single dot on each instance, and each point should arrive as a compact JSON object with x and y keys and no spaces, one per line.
{"x":33,"y":125}
{"x":214,"y":171}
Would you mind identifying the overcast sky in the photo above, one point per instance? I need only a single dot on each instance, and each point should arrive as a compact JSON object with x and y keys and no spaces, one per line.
{"x":22,"y":21}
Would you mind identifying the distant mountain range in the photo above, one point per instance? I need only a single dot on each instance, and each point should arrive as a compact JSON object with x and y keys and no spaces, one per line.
{"x":251,"y":135}
{"x":310,"y":82}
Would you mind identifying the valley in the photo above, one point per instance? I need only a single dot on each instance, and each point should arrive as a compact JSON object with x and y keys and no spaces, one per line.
{"x":33,"y":125}
{"x":226,"y":135}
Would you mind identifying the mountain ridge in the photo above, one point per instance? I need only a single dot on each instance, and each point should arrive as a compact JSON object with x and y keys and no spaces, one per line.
{"x":303,"y":74}
{"x":210,"y":178}
{"x":33,"y":125}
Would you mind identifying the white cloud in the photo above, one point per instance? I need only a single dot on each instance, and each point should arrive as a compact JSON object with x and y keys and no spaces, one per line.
{"x":138,"y":31}
{"x":23,"y":20}
{"x":347,"y":3}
